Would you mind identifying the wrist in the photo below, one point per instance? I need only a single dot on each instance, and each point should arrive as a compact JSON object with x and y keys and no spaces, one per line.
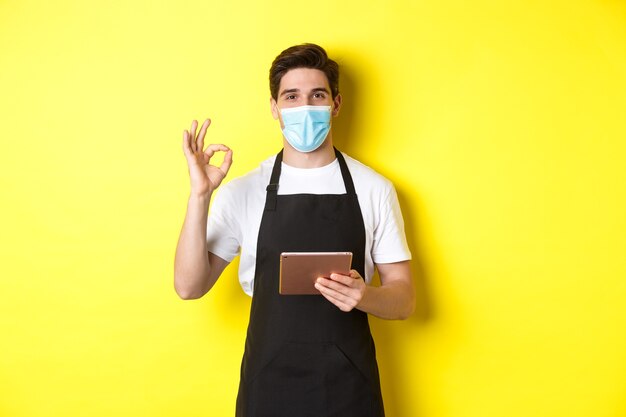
{"x":365,"y":293}
{"x":200,"y":198}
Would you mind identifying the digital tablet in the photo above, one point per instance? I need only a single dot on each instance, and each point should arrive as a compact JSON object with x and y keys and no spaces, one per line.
{"x":300,"y":270}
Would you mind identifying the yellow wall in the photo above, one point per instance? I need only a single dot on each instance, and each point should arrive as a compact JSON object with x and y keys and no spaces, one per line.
{"x":501,"y":124}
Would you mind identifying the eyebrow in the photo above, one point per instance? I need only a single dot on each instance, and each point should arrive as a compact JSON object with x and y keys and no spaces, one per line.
{"x":297,"y":90}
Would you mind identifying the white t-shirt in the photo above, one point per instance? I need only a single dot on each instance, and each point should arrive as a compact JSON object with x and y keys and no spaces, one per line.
{"x":235,"y":215}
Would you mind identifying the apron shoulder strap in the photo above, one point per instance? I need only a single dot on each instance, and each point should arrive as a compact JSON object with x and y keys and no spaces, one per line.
{"x":272,"y":187}
{"x":345,"y":173}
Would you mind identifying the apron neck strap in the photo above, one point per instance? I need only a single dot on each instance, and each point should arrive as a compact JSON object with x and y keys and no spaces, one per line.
{"x":345,"y":173}
{"x":272,"y":187}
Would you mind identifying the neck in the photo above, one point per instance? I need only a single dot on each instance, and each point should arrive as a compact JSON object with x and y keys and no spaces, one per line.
{"x":320,"y":157}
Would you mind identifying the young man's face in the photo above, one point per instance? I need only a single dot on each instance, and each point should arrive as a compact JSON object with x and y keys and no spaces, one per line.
{"x":304,"y":87}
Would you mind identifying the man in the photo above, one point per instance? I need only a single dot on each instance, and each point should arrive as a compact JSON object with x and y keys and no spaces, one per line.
{"x":305,"y":355}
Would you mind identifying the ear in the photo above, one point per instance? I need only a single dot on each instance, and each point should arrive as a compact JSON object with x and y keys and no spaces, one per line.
{"x":274,"y":107}
{"x":336,"y":105}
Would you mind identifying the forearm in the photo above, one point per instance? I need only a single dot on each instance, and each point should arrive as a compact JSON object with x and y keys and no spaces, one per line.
{"x":394,"y":300}
{"x":191,"y":264}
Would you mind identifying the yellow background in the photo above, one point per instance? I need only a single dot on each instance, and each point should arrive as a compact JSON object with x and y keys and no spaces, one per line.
{"x":500,"y":122}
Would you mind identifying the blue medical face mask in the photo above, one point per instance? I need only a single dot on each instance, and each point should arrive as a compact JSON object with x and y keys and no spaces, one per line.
{"x":306,"y":127}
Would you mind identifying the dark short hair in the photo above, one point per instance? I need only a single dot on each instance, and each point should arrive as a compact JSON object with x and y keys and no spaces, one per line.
{"x":307,"y":55}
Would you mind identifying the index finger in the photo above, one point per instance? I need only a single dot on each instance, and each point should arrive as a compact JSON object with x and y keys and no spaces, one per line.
{"x":215,"y":147}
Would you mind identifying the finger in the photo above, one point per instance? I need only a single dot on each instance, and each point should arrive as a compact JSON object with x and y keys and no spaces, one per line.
{"x":228,"y":160}
{"x":355,"y":274}
{"x":337,"y":287}
{"x":192,"y":132}
{"x":343,"y":303}
{"x":342,"y":306}
{"x":343,"y":279}
{"x":200,"y":140}
{"x":186,"y":146}
{"x":218,"y":147}
{"x":215,"y":147}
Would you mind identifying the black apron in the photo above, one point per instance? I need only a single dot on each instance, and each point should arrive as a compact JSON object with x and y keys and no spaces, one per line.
{"x":303,"y":356}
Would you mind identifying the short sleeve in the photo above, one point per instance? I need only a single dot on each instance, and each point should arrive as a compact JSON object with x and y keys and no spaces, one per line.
{"x":390,"y":243}
{"x":223,"y":233}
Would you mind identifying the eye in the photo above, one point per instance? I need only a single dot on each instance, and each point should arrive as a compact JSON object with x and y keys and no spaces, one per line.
{"x":290,"y":97}
{"x":319,"y":95}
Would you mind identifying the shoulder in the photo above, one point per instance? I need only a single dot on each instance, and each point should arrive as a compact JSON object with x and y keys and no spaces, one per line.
{"x":366,"y":179}
{"x":242,"y":186}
